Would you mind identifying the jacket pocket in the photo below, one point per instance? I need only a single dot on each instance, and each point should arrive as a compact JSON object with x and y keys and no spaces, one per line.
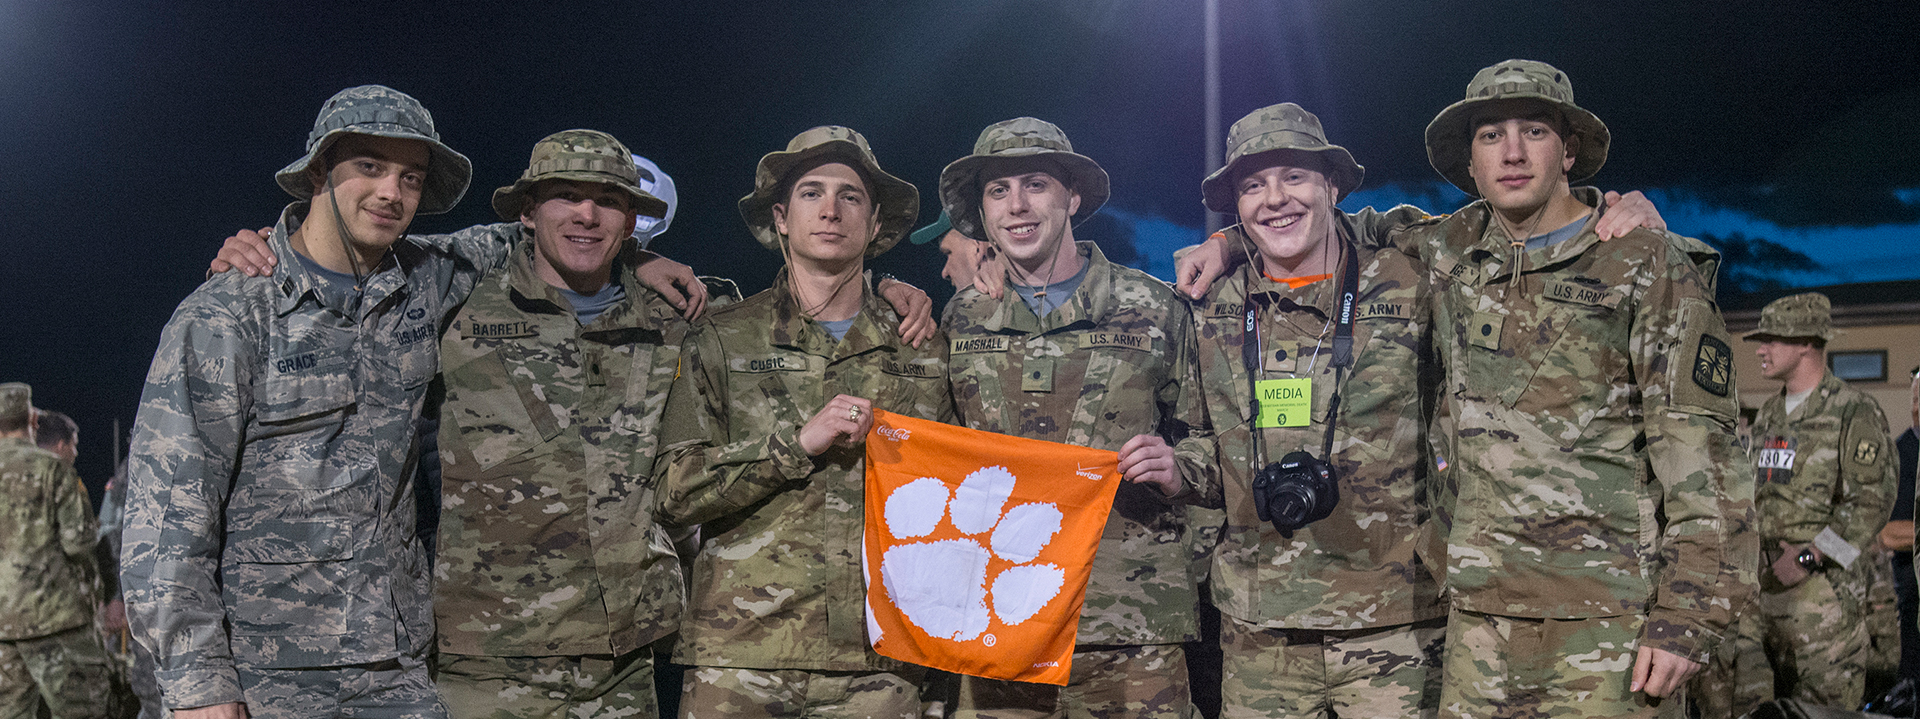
{"x":289,"y":599}
{"x":497,"y":416}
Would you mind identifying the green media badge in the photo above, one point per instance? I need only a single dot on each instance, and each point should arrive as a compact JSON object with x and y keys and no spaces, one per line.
{"x":1284,"y":402}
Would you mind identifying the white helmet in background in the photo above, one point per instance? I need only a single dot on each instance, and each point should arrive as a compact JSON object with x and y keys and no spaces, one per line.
{"x":659,"y":185}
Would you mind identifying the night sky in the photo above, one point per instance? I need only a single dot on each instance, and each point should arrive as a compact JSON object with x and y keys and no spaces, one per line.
{"x":136,"y":135}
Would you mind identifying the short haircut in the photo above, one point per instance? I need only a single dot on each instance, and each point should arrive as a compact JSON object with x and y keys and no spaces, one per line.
{"x":54,"y":428}
{"x":792,"y":180}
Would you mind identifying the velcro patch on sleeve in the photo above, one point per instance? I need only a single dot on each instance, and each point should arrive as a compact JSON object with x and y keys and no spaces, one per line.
{"x":1866,"y":452}
{"x":1713,"y":366}
{"x":1699,"y":370}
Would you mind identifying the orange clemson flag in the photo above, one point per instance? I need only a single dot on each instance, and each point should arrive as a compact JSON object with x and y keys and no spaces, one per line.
{"x":978,"y":546}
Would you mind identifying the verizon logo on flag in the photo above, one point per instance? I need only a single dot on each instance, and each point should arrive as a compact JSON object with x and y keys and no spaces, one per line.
{"x":978,"y":546}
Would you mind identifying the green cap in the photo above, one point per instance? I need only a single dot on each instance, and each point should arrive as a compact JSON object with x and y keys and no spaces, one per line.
{"x":1273,"y":129}
{"x":897,"y":200}
{"x":16,"y":401}
{"x":932,"y":233}
{"x":1449,"y":147}
{"x":382,"y":111}
{"x":1803,"y":316}
{"x":581,"y":156}
{"x":1018,"y":138}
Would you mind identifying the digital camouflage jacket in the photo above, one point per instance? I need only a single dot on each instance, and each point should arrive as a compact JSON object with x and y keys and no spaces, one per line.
{"x":1827,"y":464}
{"x":1115,"y":361}
{"x":46,"y":544}
{"x":547,"y":540}
{"x":1358,"y":568}
{"x":1591,"y":468}
{"x":777,"y":583}
{"x":270,"y":510}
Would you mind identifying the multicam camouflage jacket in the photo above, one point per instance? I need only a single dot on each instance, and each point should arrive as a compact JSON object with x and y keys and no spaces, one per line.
{"x":1827,"y":464}
{"x":1115,"y":361}
{"x":1358,"y":568}
{"x":777,"y":583}
{"x":547,"y":542}
{"x":270,"y":520}
{"x":46,"y":544}
{"x":1588,"y":422}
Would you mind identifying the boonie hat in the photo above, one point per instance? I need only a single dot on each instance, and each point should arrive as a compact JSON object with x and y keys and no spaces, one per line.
{"x":897,"y":201}
{"x":1285,"y":126}
{"x":1020,"y":137}
{"x":580,"y":156}
{"x":382,"y":111}
{"x":1803,"y":316}
{"x":1449,"y":147}
{"x":16,"y":401}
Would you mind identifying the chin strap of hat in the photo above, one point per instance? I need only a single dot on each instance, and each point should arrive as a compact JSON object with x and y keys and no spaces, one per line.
{"x":347,"y":241}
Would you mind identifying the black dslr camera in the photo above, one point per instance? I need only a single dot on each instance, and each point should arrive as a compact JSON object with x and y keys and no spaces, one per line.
{"x":1296,"y":491}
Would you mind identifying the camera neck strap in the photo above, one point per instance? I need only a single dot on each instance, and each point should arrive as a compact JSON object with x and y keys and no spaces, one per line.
{"x":1345,"y":300}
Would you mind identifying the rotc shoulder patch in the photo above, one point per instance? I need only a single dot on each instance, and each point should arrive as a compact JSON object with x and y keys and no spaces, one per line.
{"x":1713,"y":365}
{"x":1866,"y":452}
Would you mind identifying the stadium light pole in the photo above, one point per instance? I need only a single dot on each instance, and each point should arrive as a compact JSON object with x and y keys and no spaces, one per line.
{"x":1214,"y":150}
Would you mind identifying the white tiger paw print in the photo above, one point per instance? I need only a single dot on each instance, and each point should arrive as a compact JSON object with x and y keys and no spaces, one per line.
{"x":942,"y":586}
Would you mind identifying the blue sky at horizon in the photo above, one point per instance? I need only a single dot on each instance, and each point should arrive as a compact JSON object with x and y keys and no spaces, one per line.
{"x":1847,"y":254}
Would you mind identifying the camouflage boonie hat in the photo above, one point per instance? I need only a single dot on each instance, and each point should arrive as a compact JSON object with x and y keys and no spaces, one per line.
{"x":1274,"y":128}
{"x":581,"y":156}
{"x":1020,"y":137}
{"x":16,"y":401}
{"x":382,"y":111}
{"x":1802,"y":316}
{"x":895,"y":200}
{"x":1449,"y":147}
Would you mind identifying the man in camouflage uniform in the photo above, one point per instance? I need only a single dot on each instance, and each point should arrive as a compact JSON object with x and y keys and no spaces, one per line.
{"x":50,"y":658}
{"x":763,"y":447}
{"x":1598,"y":531}
{"x":269,"y":561}
{"x":1341,"y":617}
{"x":1825,"y":476}
{"x":552,"y":579}
{"x":1088,"y":353}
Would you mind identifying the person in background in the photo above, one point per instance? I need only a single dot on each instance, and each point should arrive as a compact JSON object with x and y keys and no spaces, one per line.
{"x":51,"y":660}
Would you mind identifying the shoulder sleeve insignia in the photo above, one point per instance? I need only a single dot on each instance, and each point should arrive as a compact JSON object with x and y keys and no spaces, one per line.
{"x":1866,"y":452}
{"x":1713,"y":365}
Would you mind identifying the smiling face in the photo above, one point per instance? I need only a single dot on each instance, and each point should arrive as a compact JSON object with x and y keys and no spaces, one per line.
{"x":1520,"y":157}
{"x":1287,"y":211}
{"x":377,"y":183}
{"x":1027,"y":211}
{"x":578,"y":228}
{"x":829,"y":215}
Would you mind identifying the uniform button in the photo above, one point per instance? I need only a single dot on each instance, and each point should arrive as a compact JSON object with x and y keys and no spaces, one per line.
{"x":1036,"y":375}
{"x":1280,"y":355}
{"x":1486,"y":330}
